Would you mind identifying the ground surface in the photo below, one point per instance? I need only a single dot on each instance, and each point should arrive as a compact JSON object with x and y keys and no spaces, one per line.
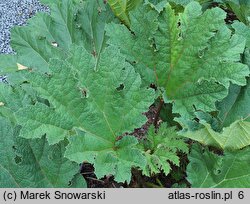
{"x":15,"y":12}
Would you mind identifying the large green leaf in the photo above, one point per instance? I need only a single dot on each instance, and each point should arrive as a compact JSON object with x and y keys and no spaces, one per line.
{"x":101,"y":104}
{"x":236,"y":136}
{"x":74,"y":96}
{"x":243,"y":30}
{"x":33,"y":163}
{"x":234,"y":111}
{"x":69,"y":22}
{"x":208,"y":170}
{"x":121,"y":8}
{"x":236,"y":105}
{"x":193,"y":56}
{"x":115,"y":159}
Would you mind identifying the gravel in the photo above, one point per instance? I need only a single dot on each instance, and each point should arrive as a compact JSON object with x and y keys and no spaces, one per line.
{"x":15,"y":12}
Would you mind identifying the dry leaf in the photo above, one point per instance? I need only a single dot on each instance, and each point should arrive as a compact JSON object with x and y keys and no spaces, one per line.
{"x":21,"y":67}
{"x":54,"y":44}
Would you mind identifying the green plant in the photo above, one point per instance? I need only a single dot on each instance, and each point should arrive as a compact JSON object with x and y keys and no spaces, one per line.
{"x":81,"y":84}
{"x":193,"y":63}
{"x":161,"y":148}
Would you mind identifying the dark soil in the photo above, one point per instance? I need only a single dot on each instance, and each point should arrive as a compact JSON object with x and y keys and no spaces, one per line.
{"x":87,"y":171}
{"x":141,"y":132}
{"x":231,"y":17}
